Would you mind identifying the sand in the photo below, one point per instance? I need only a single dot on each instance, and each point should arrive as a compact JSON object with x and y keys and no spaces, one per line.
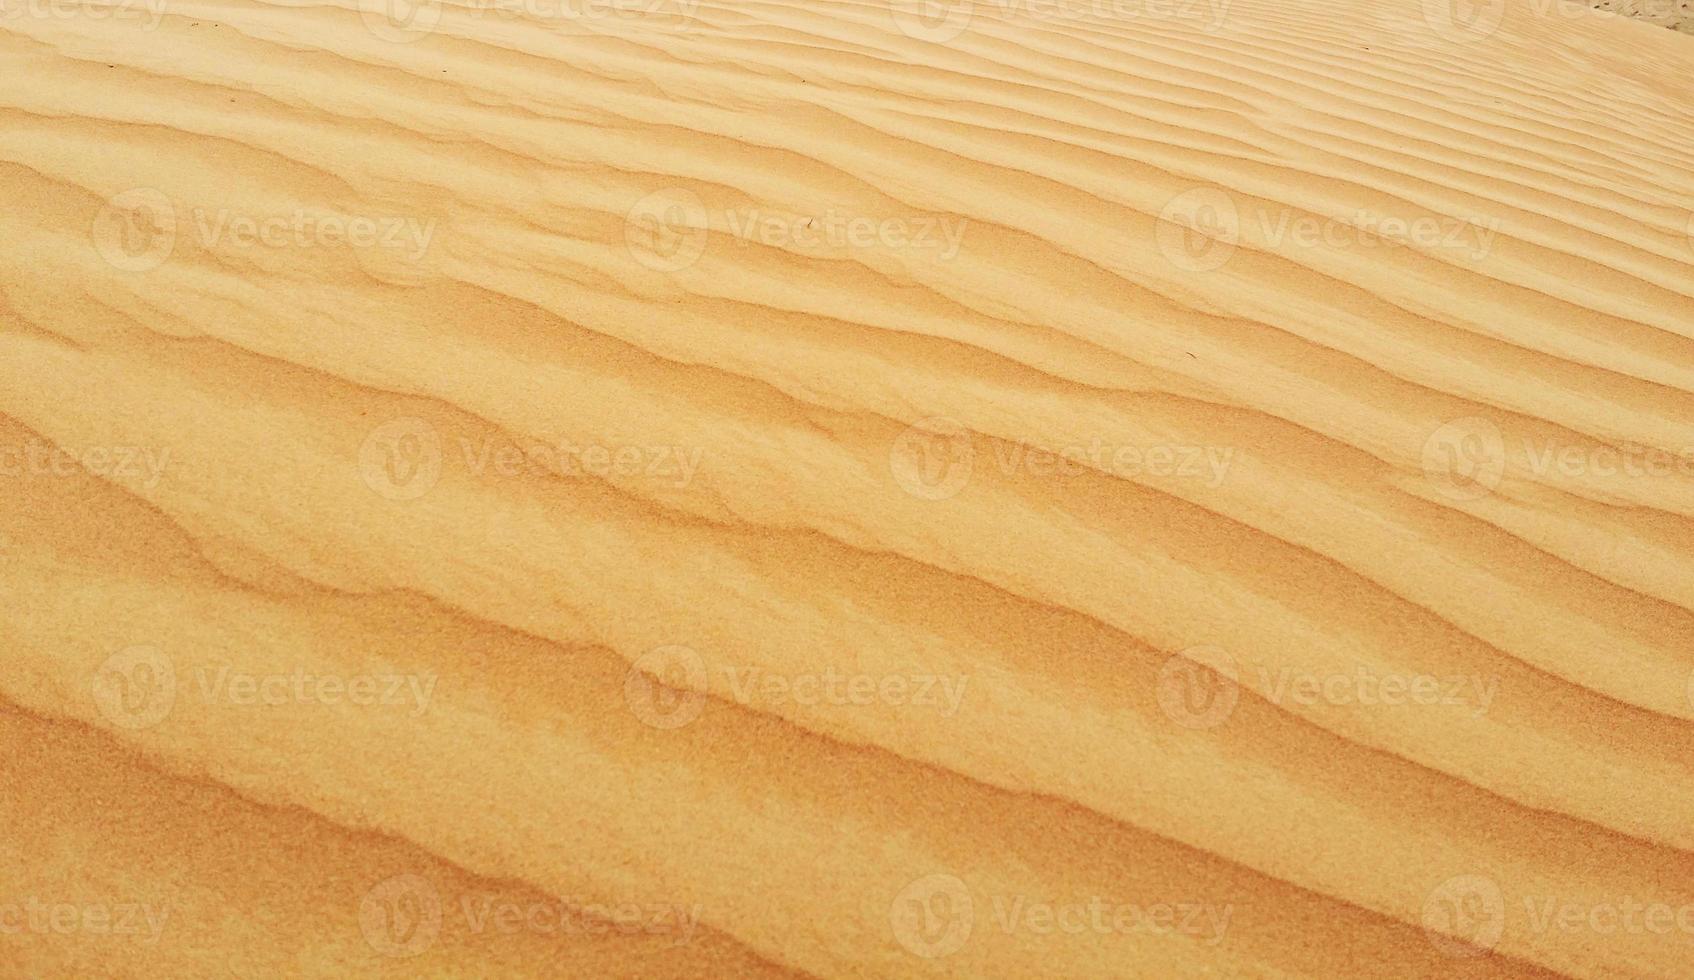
{"x":1675,"y":14}
{"x":1150,"y":489}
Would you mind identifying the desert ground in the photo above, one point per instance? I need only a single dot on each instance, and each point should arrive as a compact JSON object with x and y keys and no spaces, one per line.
{"x":740,"y":488}
{"x":1675,"y":14}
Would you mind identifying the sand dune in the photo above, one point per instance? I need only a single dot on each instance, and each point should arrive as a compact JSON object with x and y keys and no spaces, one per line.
{"x":1675,"y":14}
{"x":678,"y":487}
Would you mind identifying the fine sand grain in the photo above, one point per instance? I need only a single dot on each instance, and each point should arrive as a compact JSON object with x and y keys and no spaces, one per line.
{"x":727,"y":488}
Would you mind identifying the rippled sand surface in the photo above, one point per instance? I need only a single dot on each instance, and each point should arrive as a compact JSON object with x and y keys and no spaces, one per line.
{"x":1183,"y":488}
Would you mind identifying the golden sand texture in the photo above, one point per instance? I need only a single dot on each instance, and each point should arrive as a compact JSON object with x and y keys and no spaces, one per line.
{"x":1675,"y":14}
{"x":1159,"y":488}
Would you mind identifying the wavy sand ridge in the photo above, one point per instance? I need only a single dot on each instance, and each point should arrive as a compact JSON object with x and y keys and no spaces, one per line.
{"x":751,"y":487}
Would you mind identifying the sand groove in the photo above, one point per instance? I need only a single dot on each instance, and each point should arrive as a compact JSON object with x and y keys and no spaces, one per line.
{"x":1039,"y":362}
